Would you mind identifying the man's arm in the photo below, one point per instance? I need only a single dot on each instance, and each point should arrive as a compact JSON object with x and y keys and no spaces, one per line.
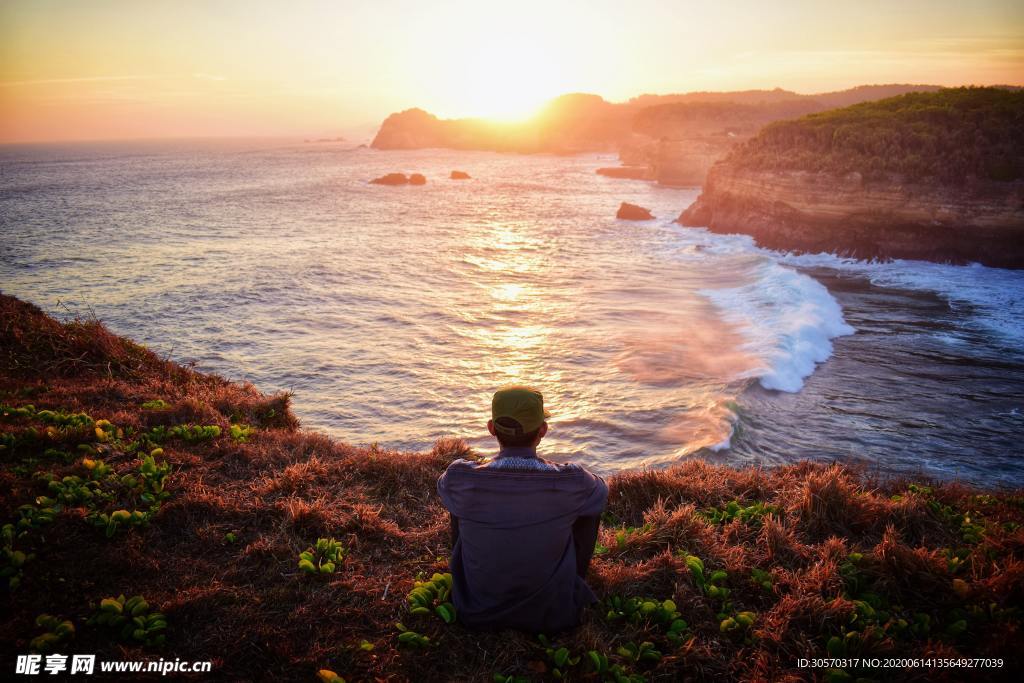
{"x":584,"y":538}
{"x":454,"y":525}
{"x":585,"y":528}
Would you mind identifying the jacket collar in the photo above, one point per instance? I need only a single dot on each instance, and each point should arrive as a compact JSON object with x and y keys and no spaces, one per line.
{"x":517,"y":452}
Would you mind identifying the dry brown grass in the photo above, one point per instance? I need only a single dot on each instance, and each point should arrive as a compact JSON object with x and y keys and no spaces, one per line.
{"x":246,"y":606}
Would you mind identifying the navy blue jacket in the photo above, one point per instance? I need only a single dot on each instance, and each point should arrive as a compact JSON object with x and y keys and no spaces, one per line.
{"x":524,"y":533}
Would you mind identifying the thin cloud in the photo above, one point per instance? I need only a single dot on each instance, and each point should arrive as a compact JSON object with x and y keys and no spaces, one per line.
{"x":106,"y":79}
{"x":83,"y":79}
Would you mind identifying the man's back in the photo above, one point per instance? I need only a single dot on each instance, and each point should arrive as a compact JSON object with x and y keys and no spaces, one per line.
{"x":525,"y":534}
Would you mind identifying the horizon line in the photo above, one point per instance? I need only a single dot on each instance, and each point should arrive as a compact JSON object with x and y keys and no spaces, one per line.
{"x":526,"y":119}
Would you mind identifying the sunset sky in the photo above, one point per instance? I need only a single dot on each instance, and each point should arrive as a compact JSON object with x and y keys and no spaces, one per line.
{"x":124,"y":68}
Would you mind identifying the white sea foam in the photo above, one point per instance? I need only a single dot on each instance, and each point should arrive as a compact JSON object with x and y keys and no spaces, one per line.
{"x":988,"y":297}
{"x":789,"y":319}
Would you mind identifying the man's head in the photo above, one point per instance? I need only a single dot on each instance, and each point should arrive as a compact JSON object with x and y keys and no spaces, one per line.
{"x":517,"y":416}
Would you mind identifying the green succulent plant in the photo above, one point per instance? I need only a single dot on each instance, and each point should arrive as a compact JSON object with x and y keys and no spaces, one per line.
{"x":240,"y":432}
{"x":12,"y":562}
{"x":71,"y":491}
{"x":58,"y":454}
{"x":752,"y":514}
{"x":599,"y":663}
{"x":152,"y":477}
{"x":410,"y":638}
{"x":186,"y":432}
{"x":131,"y":620}
{"x":195,"y":433}
{"x":711,"y":584}
{"x":143,"y":489}
{"x":560,"y":657}
{"x":57,"y":631}
{"x":61,"y":419}
{"x":97,"y":469}
{"x":761,"y":578}
{"x":112,"y":522}
{"x":107,"y":432}
{"x":11,"y":413}
{"x":623,"y":535}
{"x":433,"y":596}
{"x":322,"y":558}
{"x":32,"y":517}
{"x":678,"y":631}
{"x":649,"y":610}
{"x":54,"y":418}
{"x":741,"y":621}
{"x":644,"y":652}
{"x":509,"y":678}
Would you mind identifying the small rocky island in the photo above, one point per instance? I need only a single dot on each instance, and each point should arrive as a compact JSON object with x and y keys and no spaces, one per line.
{"x":632,"y":212}
{"x":400,"y":179}
{"x":937,"y":176}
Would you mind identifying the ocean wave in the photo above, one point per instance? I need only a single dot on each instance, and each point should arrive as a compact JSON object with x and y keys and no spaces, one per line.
{"x":988,"y":297}
{"x":789,"y":320}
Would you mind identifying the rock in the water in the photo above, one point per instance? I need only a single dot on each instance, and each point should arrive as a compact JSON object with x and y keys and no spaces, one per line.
{"x":628,"y":172}
{"x":460,"y":175}
{"x":391,"y":179}
{"x":632,"y":212}
{"x":417,"y":179}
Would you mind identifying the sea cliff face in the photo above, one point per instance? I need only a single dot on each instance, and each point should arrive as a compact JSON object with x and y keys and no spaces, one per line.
{"x":685,"y":163}
{"x":980,"y":221}
{"x":682,"y":162}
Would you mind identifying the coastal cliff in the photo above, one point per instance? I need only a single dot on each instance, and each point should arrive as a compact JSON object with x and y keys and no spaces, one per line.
{"x":931,"y":176}
{"x":822,"y":212}
{"x":680,"y":139}
{"x":125,"y":473}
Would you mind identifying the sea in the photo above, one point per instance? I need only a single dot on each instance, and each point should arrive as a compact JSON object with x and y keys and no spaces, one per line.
{"x":393,"y":313}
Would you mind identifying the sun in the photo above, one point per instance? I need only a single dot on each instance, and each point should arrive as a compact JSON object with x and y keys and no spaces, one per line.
{"x":507,"y":81}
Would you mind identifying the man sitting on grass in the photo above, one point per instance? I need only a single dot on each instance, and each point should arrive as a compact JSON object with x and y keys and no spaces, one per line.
{"x":524,"y":529}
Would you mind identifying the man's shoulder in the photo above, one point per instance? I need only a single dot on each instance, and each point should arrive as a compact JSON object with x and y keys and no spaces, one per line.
{"x":465,"y":480}
{"x":487,"y":465}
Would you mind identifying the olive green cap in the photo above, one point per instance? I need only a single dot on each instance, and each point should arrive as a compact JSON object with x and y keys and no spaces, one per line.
{"x":523,"y":404}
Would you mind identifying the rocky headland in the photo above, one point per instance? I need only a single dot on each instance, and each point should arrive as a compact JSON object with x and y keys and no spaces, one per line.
{"x":934,"y":176}
{"x":568,"y":124}
{"x":672,"y":139}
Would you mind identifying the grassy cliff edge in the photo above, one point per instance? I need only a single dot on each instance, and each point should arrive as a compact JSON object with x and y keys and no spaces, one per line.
{"x":123,"y":473}
{"x":929,"y":175}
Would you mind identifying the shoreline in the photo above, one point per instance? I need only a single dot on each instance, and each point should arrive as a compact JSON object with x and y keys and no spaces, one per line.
{"x":899,"y":333}
{"x":909,"y":569}
{"x":821,"y":271}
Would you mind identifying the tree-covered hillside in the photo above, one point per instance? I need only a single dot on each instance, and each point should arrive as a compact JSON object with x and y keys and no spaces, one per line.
{"x":949,"y":135}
